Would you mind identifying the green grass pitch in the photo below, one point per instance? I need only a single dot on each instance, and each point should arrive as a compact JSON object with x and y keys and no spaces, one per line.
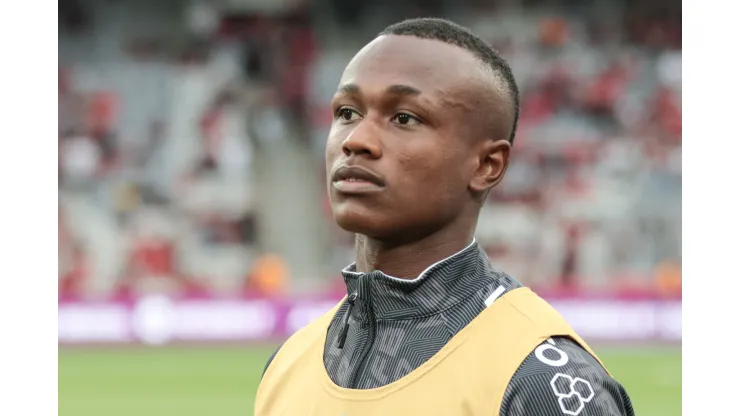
{"x":222,"y":381}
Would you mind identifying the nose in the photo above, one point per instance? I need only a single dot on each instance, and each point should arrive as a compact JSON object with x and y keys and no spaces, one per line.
{"x":363,"y":140}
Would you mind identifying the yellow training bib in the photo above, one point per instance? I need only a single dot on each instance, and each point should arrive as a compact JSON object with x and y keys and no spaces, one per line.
{"x":468,"y":376}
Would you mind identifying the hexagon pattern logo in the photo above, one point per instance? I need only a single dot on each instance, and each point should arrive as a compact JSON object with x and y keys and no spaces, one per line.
{"x":572,"y":393}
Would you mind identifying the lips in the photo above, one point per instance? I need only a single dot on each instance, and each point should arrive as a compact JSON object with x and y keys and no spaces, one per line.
{"x":356,"y":180}
{"x":357,"y":174}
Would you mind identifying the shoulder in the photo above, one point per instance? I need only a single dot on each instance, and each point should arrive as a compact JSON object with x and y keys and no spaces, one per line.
{"x":561,"y":378}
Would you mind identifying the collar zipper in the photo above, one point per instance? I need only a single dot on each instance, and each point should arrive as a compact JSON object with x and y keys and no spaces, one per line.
{"x":367,"y":345}
{"x":345,"y":327}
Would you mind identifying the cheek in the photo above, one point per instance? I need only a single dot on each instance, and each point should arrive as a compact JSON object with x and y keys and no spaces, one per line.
{"x":333,"y":148}
{"x":435,"y":178}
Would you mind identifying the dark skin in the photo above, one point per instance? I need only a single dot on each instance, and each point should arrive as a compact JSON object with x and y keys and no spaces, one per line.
{"x":430,"y":122}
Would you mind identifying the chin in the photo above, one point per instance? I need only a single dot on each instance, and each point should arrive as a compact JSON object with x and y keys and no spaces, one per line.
{"x":360,"y":221}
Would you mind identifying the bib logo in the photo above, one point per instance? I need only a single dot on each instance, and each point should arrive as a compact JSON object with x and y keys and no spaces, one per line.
{"x":560,"y":358}
{"x":572,"y":393}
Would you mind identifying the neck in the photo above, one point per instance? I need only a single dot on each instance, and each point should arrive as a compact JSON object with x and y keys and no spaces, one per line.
{"x":409,"y":260}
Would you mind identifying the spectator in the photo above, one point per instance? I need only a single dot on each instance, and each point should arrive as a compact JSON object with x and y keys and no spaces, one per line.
{"x":598,"y":144}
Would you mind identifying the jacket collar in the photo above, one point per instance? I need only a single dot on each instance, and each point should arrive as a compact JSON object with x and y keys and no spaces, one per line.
{"x":439,"y":287}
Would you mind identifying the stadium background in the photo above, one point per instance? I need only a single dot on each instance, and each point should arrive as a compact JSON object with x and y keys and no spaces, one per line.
{"x":194,"y":230}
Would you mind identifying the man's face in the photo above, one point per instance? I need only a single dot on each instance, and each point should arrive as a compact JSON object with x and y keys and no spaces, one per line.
{"x":402,"y":150}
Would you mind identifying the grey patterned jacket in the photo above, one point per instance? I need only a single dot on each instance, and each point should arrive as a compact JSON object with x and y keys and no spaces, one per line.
{"x":387,"y":327}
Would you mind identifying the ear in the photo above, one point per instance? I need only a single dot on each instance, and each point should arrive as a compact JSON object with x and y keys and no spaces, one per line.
{"x":493,"y":159}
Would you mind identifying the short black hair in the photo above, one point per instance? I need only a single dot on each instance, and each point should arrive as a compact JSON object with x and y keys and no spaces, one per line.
{"x":449,"y":32}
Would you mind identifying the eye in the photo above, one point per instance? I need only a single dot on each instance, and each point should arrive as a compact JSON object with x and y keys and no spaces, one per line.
{"x":405,"y":119}
{"x":347,"y":114}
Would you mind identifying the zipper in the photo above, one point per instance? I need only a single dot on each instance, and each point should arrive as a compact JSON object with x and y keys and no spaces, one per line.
{"x":359,"y":369}
{"x":345,"y":327}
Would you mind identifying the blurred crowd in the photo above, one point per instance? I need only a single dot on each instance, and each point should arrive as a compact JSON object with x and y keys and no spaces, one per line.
{"x":167,"y":112}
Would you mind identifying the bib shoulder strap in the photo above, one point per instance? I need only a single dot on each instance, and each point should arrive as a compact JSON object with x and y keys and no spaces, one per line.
{"x":527,"y":309}
{"x":517,"y":323}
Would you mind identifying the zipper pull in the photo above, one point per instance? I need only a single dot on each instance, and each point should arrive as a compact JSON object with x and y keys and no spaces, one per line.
{"x":343,"y":333}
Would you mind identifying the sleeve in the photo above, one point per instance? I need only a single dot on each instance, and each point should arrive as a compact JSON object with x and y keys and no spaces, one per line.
{"x":269,"y":360}
{"x":561,"y":378}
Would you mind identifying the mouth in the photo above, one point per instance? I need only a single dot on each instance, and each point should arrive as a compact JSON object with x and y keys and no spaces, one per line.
{"x":356,"y":180}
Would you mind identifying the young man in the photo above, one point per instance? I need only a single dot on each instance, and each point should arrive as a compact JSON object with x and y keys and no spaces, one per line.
{"x":425,"y":117}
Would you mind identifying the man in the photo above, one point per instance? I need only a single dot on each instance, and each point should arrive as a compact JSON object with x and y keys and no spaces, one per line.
{"x":425,"y":116}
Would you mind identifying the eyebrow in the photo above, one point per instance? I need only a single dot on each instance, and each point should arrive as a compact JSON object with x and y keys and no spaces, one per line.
{"x":396,"y":89}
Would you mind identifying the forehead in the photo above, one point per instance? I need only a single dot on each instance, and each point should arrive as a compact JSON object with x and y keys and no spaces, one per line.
{"x":430,"y":66}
